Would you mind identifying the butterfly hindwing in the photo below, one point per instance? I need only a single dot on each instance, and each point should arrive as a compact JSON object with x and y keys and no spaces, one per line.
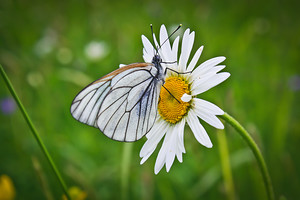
{"x":124,"y":115}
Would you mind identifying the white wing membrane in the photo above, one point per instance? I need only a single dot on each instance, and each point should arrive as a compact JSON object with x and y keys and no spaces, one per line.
{"x":136,"y":78}
{"x":86,"y":104}
{"x":137,"y":93}
{"x":123,"y":104}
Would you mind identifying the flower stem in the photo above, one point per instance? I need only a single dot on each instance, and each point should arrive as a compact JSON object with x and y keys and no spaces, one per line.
{"x":34,"y":132}
{"x":257,"y":153}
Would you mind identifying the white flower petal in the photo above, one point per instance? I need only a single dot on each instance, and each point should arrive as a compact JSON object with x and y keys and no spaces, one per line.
{"x":181,"y":135}
{"x":175,"y":49}
{"x":179,"y":156}
{"x":156,"y":45}
{"x":149,"y":49}
{"x":207,"y":65}
{"x":186,"y":98}
{"x":154,"y":136}
{"x":210,"y":119}
{"x":206,"y":114}
{"x":145,"y":158}
{"x":213,"y":71}
{"x":183,"y":55}
{"x":186,"y":47}
{"x":147,"y":57}
{"x":158,"y":50}
{"x":159,"y":123}
{"x":171,"y":149}
{"x":206,"y":77}
{"x":195,"y":59}
{"x":159,"y":164}
{"x":176,"y":146}
{"x":197,"y":83}
{"x":161,"y":157}
{"x":207,"y":83}
{"x":172,"y":146}
{"x":198,"y":130}
{"x":207,"y":107}
{"x":165,"y":44}
{"x":180,"y":144}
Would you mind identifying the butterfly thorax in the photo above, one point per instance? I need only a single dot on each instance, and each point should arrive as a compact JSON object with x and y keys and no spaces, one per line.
{"x":156,"y":61}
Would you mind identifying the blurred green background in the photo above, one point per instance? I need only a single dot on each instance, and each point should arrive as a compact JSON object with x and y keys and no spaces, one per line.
{"x":52,"y":49}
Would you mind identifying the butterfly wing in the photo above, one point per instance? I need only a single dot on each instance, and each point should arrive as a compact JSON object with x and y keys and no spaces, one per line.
{"x":86,"y":104}
{"x":122,"y":104}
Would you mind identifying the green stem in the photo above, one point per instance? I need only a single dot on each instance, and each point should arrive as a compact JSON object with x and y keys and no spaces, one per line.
{"x":257,"y":153}
{"x":34,"y":132}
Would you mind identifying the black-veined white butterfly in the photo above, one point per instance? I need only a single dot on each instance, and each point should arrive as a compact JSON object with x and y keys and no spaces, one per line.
{"x":123,"y":103}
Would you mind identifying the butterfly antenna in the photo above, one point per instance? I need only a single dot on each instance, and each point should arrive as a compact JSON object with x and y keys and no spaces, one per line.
{"x":155,"y":49}
{"x":172,"y":94}
{"x":180,"y":25}
{"x":159,"y":46}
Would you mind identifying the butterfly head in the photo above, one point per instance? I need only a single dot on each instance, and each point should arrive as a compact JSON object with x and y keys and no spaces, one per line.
{"x":156,"y":59}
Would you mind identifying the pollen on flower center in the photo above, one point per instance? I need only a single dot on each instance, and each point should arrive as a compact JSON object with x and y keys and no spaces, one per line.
{"x":168,"y":107}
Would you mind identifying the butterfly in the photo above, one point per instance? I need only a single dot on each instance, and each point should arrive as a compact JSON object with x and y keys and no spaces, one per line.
{"x":123,"y":103}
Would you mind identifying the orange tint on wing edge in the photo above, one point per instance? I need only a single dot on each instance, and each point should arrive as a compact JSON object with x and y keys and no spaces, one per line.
{"x":122,"y":69}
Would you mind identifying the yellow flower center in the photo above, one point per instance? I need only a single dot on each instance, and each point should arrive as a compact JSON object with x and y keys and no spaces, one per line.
{"x":170,"y":106}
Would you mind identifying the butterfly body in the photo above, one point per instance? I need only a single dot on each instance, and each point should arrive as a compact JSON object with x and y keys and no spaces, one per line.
{"x":123,"y":103}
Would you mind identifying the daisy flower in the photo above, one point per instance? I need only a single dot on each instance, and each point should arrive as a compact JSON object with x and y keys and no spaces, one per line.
{"x":174,"y":113}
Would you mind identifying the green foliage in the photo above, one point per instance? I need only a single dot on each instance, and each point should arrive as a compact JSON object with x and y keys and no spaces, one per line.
{"x":44,"y":48}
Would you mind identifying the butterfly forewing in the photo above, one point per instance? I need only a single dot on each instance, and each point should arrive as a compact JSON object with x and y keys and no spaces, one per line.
{"x":121,"y":104}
